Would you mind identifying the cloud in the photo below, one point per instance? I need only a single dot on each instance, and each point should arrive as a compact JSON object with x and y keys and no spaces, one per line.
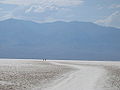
{"x":1,"y":9}
{"x":42,"y":5}
{"x":34,"y":8}
{"x":5,"y":15}
{"x":43,"y":2}
{"x":114,"y":6}
{"x":40,"y":8}
{"x":112,"y":20}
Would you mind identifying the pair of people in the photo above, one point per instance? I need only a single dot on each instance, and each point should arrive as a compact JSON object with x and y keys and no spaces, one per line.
{"x":44,"y":59}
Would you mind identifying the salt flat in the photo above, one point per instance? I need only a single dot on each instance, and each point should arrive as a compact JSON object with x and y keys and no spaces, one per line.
{"x":26,"y":74}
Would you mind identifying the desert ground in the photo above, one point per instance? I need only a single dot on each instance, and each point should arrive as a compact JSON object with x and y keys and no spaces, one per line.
{"x":32,"y":74}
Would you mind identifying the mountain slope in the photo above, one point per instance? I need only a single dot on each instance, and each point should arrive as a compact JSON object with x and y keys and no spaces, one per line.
{"x":58,"y":40}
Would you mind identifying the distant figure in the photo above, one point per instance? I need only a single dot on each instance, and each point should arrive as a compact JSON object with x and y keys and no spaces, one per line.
{"x":44,"y":59}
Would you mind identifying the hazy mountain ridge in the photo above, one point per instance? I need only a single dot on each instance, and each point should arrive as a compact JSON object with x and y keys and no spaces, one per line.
{"x":58,"y":40}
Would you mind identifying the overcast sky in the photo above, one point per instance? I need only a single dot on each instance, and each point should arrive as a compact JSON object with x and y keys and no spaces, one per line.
{"x":104,"y":12}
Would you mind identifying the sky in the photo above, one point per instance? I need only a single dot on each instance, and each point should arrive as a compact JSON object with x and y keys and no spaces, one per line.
{"x":103,"y":12}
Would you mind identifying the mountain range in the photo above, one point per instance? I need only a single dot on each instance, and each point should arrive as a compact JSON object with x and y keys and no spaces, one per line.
{"x":58,"y":40}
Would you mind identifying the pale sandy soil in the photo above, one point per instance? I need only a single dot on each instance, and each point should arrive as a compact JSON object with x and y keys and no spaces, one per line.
{"x":59,"y":75}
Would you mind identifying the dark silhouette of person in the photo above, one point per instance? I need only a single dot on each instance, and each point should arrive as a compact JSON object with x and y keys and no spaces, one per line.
{"x":44,"y":59}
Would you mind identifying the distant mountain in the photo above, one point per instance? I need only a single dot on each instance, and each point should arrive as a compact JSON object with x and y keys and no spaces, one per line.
{"x":58,"y":40}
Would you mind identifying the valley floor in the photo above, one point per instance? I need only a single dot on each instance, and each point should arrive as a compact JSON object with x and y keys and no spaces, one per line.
{"x":20,"y":74}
